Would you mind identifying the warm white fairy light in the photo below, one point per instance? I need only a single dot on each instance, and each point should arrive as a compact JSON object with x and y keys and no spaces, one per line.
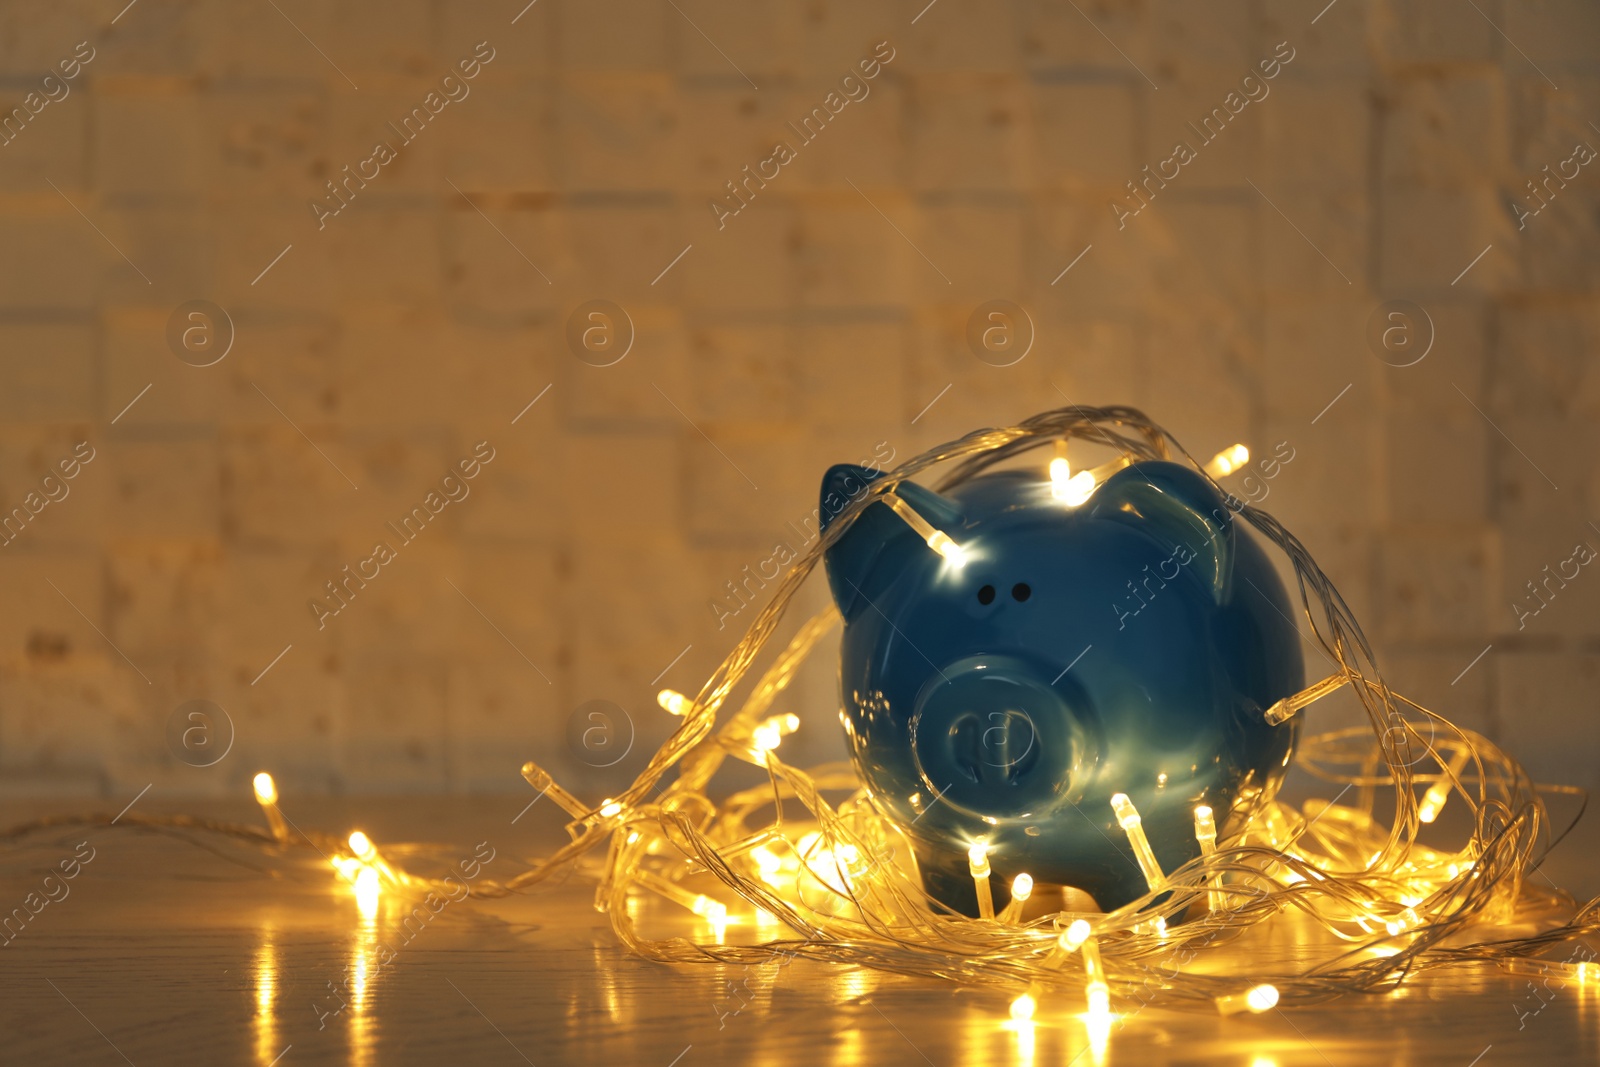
{"x":771,"y":732}
{"x":266,"y":789}
{"x":1227,"y":461}
{"x":1439,"y":792}
{"x":1133,"y":826}
{"x":1023,"y":1007}
{"x":1074,"y":489}
{"x":267,"y":796}
{"x":767,"y":862}
{"x":367,"y":854}
{"x":363,"y":847}
{"x":1067,"y":487}
{"x":978,"y":867}
{"x":713,"y":911}
{"x":1583,"y":971}
{"x":1256,"y":999}
{"x":832,"y":865}
{"x":673,"y":702}
{"x":1205,"y":832}
{"x":1068,"y":942}
{"x":1060,"y":475}
{"x":1353,"y":868}
{"x":1021,"y":890}
{"x":938,"y":540}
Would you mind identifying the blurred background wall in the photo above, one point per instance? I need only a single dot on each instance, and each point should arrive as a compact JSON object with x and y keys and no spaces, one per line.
{"x":372,"y":350}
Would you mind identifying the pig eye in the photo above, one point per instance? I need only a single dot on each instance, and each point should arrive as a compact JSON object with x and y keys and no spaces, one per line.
{"x":1021,"y":592}
{"x":986,"y":595}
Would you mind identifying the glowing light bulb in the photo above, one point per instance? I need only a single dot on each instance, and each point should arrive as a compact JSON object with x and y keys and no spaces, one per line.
{"x":1023,"y":1007}
{"x":610,"y":809}
{"x":1060,"y":475}
{"x":767,"y":862}
{"x":941,"y":543}
{"x":771,"y":732}
{"x":978,"y":866}
{"x":937,"y":540}
{"x":267,"y":797}
{"x":266,"y":789}
{"x":713,"y":911}
{"x":1021,"y":889}
{"x":368,"y":864}
{"x":673,"y":702}
{"x":368,"y":857}
{"x":1256,"y":999}
{"x":1066,"y":944}
{"x":1133,"y":826}
{"x":362,"y":846}
{"x":1079,"y":489}
{"x":1227,"y":461}
{"x":1205,"y":832}
{"x":1439,"y":792}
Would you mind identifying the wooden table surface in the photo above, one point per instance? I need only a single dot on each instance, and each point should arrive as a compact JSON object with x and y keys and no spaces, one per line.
{"x":165,"y":953}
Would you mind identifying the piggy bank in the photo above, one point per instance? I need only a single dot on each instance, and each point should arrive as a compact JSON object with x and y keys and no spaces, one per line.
{"x":1129,"y":644}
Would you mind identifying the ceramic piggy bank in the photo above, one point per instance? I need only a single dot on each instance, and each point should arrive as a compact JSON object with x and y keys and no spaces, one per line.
{"x":1129,"y":644}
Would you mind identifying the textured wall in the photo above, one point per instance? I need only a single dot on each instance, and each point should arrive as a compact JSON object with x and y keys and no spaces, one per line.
{"x":576,"y":153}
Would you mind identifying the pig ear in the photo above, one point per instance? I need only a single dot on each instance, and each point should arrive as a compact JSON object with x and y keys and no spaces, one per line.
{"x":861,"y":559}
{"x":1178,"y":508}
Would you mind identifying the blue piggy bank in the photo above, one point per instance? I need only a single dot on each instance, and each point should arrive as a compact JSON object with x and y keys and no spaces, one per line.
{"x":1126,"y":645}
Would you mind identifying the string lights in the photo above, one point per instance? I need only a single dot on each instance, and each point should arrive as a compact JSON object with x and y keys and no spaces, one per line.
{"x":267,"y":796}
{"x":1205,"y":832}
{"x":1021,"y":890}
{"x":810,"y":853}
{"x":938,"y":540}
{"x":1133,"y":826}
{"x":1065,"y":486}
{"x":1227,"y":461}
{"x":1257,"y":999}
{"x":978,"y":866}
{"x":1433,"y":800}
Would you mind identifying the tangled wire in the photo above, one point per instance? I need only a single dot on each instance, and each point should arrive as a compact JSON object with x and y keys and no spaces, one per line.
{"x":1371,"y":906}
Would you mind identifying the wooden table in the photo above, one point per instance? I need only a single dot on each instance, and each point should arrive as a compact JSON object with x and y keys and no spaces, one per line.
{"x":165,"y":953}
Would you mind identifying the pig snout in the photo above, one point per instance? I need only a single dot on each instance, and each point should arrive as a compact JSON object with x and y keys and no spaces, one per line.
{"x":994,"y":735}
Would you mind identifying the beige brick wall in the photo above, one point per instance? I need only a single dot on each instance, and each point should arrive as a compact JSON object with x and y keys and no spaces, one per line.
{"x":821,"y":319}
